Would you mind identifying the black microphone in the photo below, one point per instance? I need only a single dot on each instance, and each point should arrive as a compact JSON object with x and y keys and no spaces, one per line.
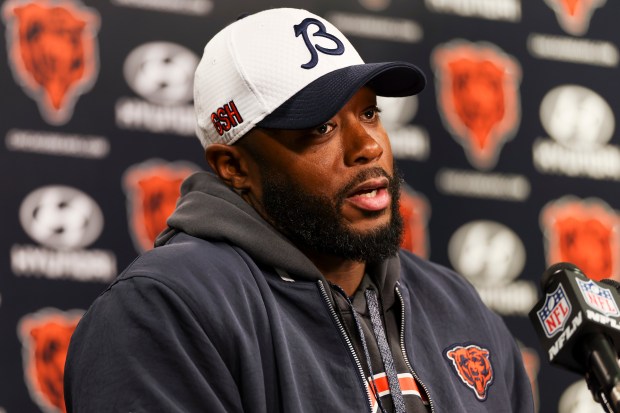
{"x":578,"y":324}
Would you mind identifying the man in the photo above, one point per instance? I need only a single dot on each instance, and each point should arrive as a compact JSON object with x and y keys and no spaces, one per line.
{"x":279,"y":285}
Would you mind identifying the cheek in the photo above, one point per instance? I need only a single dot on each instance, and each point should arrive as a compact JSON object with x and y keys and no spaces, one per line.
{"x":387,"y":150}
{"x":318,"y":171}
{"x":316,"y":178}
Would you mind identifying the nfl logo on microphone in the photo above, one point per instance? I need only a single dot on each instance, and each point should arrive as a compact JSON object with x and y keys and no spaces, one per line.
{"x":598,"y":298}
{"x":554,"y":313}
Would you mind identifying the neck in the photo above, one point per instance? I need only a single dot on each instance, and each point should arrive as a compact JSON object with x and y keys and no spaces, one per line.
{"x":346,"y":274}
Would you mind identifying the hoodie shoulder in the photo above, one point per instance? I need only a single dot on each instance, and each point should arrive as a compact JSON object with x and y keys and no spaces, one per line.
{"x":191,"y":264}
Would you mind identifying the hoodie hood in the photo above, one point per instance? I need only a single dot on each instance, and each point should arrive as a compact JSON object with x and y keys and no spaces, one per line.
{"x":210,"y":210}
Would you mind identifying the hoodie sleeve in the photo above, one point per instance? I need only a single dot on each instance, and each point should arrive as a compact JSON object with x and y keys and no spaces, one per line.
{"x":140,"y":348}
{"x":513,"y":368}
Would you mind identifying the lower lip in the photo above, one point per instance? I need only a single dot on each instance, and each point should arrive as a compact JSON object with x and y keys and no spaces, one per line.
{"x":380,"y":201}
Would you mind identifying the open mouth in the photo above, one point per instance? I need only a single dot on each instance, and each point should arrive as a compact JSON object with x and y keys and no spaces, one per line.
{"x":370,"y":195}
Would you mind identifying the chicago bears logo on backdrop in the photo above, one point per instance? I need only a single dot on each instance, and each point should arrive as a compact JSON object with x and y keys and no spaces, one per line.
{"x":574,"y":15}
{"x":415,"y":210}
{"x":45,"y":339}
{"x":584,"y":232}
{"x":478,"y":97}
{"x":152,"y":190}
{"x":53,"y":52}
{"x":472,"y":364}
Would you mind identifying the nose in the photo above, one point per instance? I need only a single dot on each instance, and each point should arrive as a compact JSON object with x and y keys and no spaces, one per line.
{"x":360,"y":146}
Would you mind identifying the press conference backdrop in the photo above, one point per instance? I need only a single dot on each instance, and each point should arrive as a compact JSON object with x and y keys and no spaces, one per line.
{"x":510,"y":155}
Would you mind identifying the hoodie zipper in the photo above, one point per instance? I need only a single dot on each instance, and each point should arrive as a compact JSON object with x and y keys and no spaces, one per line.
{"x":344,"y":334}
{"x":402,"y":348}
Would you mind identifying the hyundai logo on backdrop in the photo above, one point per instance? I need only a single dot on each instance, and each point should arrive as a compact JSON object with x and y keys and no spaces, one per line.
{"x":162,"y":74}
{"x":63,"y":221}
{"x":491,"y":256}
{"x":577,"y":117}
{"x":61,"y":217}
{"x":580,"y":123}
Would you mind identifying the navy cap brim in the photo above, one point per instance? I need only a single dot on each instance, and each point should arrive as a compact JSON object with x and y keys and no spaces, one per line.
{"x":323,"y":98}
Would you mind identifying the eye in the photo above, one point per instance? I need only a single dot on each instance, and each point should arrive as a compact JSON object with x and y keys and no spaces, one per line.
{"x":324,"y":129}
{"x":371,"y":113}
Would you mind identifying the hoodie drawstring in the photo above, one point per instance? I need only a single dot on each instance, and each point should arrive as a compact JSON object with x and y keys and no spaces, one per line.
{"x":384,"y":349}
{"x":360,"y":332}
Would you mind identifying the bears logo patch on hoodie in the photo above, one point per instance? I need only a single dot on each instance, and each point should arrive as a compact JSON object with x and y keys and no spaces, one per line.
{"x":472,"y":364}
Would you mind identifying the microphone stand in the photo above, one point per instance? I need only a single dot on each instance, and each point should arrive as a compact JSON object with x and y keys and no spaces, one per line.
{"x":603,"y":371}
{"x":598,"y":394}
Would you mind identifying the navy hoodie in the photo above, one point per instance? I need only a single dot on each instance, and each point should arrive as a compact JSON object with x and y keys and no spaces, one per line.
{"x":226,"y":315}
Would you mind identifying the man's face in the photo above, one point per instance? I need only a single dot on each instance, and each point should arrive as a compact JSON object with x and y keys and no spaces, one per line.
{"x":333,"y":189}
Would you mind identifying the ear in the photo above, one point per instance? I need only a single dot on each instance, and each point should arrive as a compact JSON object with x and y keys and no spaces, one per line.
{"x":231,"y":164}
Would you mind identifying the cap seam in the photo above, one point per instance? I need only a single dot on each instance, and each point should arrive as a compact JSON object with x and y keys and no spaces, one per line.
{"x":243,"y":74}
{"x":201,"y":131}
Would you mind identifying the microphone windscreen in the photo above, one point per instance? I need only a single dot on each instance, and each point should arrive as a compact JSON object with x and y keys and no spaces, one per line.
{"x":611,"y":282}
{"x":556,"y":268}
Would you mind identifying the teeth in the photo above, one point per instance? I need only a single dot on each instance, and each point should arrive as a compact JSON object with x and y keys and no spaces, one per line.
{"x":370,"y":194}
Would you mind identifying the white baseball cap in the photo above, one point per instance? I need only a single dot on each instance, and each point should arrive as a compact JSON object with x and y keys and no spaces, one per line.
{"x":286,"y":69}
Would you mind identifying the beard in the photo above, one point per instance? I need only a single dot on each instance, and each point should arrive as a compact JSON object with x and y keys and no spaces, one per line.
{"x":315,"y":222}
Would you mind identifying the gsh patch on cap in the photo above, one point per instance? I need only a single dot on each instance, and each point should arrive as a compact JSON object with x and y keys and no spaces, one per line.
{"x":226,"y":117}
{"x":472,"y":364}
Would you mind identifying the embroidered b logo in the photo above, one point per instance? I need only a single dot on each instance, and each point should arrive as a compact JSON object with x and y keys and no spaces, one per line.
{"x":302,"y":28}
